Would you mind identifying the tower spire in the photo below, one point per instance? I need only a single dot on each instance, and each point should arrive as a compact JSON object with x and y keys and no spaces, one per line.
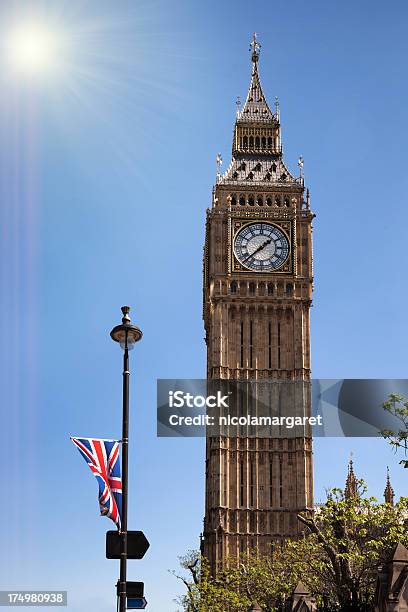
{"x":257,"y":145}
{"x":255,"y":107}
{"x":351,"y":488}
{"x":389,"y":491}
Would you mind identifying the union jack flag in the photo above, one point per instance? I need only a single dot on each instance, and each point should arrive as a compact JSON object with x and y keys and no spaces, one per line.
{"x":102,"y":456}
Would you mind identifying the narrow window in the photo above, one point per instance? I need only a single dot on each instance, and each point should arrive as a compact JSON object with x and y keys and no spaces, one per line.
{"x":241,"y":200}
{"x":251,"y":327}
{"x":279,"y":345}
{"x":289,"y":289}
{"x":233,"y":201}
{"x":242,"y":344}
{"x":269,"y":201}
{"x":270,"y":483}
{"x":252,"y":288}
{"x":251,"y":201}
{"x":287,"y":202}
{"x":273,"y":167}
{"x":251,"y":142}
{"x":263,"y":142}
{"x":245,"y":142}
{"x":260,"y":201}
{"x":270,"y":345}
{"x":241,"y":483}
{"x":233,"y":287}
{"x":235,"y":175}
{"x":269,"y":143}
{"x":257,"y":142}
{"x":280,"y":482}
{"x":250,"y":176}
{"x":251,"y":484}
{"x":270,"y":288}
{"x":277,"y":201}
{"x":268,"y":176}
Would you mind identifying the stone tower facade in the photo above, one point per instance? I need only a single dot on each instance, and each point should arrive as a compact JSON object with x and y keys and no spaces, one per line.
{"x":258,"y":279}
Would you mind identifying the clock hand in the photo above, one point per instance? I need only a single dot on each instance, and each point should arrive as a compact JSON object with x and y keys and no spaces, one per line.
{"x":261,"y":246}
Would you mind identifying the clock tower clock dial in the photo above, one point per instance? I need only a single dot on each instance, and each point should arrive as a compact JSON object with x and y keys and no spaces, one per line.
{"x":261,"y":247}
{"x":258,"y":280}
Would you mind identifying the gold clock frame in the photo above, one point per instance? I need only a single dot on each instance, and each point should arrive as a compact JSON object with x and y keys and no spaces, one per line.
{"x":285,"y":225}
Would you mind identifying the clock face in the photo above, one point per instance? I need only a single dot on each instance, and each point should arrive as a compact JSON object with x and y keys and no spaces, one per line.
{"x":261,"y":246}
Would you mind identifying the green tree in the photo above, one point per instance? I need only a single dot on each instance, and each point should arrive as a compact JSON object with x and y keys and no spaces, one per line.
{"x":345,"y":541}
{"x":397,"y":405}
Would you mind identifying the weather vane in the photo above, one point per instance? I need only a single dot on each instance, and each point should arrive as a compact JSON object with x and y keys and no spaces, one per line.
{"x":255,"y":48}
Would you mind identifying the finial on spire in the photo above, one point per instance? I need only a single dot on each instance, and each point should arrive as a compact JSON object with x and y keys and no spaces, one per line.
{"x":277,"y":108}
{"x":238,"y":104}
{"x":301,"y":163}
{"x":255,"y":48}
{"x":219,"y":164}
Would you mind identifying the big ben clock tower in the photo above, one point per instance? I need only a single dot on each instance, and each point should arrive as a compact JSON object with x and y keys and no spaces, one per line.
{"x":257,"y":295}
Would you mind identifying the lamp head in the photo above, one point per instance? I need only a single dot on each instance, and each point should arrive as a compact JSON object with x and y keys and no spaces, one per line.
{"x":126,"y":334}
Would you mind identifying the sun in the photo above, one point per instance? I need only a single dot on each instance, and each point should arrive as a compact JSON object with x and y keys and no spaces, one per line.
{"x":33,"y":48}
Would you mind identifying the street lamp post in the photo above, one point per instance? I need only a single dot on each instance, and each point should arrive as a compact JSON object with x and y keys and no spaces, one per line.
{"x":127,"y":335}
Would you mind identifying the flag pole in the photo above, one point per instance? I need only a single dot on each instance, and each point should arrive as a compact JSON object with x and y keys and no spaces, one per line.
{"x":127,"y":335}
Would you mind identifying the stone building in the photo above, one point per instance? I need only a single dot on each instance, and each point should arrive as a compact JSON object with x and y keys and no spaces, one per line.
{"x":258,"y":280}
{"x":392,"y":583}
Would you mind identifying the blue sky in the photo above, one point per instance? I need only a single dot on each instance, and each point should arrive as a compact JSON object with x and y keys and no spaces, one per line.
{"x":106,"y":169}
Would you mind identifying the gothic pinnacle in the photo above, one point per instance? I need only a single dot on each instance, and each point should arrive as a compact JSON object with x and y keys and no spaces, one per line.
{"x":389,"y":491}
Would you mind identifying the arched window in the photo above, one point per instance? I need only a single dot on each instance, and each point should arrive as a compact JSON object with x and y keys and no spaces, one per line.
{"x":251,"y":201}
{"x":283,"y":177}
{"x":243,"y":166}
{"x":277,"y":201}
{"x":268,"y":176}
{"x":269,"y":143}
{"x":269,"y":201}
{"x":260,"y":201}
{"x":252,"y":288}
{"x":251,"y":142}
{"x":273,"y":168}
{"x":245,"y":141}
{"x":257,"y":142}
{"x":241,"y":200}
{"x":233,"y":287}
{"x":289,"y":289}
{"x":270,"y":288}
{"x":235,"y":175}
{"x":258,"y":167}
{"x":263,"y":142}
{"x":250,"y":176}
{"x":233,"y":201}
{"x":287,"y":202}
